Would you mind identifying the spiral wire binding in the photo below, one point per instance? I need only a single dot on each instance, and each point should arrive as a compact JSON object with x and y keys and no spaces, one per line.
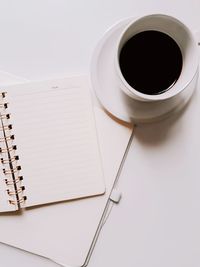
{"x":9,"y":160}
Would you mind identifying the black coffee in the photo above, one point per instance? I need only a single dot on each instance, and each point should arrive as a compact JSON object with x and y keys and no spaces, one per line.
{"x":151,"y":62}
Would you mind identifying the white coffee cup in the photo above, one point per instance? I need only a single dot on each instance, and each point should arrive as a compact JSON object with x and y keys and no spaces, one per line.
{"x":151,"y":107}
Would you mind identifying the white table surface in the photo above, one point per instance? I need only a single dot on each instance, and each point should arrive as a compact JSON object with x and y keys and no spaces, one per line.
{"x":42,"y":39}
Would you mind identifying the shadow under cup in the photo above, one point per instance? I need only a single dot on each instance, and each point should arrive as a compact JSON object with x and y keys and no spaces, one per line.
{"x":167,"y":50}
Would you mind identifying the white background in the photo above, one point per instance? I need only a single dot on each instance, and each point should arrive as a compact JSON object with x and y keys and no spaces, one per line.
{"x":42,"y":39}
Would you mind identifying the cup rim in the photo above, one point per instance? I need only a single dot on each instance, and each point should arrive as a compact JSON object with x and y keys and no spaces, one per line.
{"x":129,"y":90}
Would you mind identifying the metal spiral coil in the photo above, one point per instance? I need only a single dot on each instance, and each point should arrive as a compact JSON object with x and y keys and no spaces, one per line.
{"x":5,"y":116}
{"x":3,"y":94}
{"x":19,"y":201}
{"x":10,"y":137}
{"x":11,"y":169}
{"x":5,"y":150}
{"x":17,"y":180}
{"x":7,"y":161}
{"x":19,"y":190}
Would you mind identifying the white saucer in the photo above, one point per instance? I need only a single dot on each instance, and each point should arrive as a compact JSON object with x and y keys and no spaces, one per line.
{"x":103,"y":76}
{"x":106,"y":85}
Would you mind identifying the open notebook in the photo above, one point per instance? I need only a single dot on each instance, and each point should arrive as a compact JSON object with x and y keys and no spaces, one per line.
{"x":72,"y":227}
{"x":49,"y":148}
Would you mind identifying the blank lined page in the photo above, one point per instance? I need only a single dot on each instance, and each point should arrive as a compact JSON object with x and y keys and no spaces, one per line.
{"x":56,"y":139}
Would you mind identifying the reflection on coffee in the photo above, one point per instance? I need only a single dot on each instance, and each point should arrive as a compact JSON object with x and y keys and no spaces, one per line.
{"x":151,"y":62}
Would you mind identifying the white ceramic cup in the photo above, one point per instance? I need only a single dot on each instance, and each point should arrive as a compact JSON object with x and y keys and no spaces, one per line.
{"x":151,"y":107}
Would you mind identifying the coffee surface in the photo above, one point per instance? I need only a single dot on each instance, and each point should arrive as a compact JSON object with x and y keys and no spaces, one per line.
{"x":151,"y":62}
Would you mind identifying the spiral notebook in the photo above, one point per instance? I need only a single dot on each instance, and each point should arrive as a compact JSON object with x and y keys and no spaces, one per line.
{"x":77,"y":223}
{"x":48,"y":144}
